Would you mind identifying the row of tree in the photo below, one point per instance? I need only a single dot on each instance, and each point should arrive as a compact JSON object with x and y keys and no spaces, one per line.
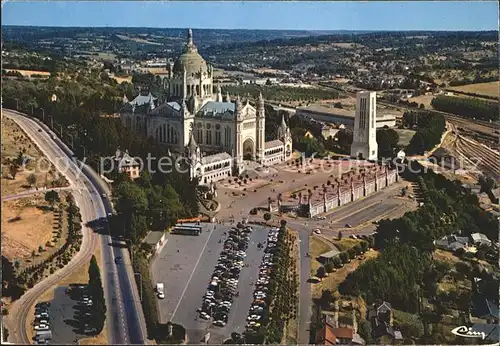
{"x":467,"y":107}
{"x":280,"y":93}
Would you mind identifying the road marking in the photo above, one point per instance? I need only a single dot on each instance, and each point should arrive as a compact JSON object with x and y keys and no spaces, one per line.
{"x":191,"y":276}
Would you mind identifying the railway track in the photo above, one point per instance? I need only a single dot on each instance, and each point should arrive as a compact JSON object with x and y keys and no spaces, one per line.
{"x":486,"y":159}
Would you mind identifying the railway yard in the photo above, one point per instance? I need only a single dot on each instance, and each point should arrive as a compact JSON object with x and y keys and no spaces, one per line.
{"x":479,"y":153}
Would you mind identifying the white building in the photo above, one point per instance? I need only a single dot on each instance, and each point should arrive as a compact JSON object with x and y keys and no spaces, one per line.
{"x":213,"y":133}
{"x":364,"y":143}
{"x":341,"y":116}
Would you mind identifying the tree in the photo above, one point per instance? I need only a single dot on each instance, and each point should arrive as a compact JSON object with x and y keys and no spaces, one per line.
{"x":98,"y":308}
{"x":336,"y":262}
{"x":326,"y":299}
{"x":365,"y":331}
{"x":363,"y":246}
{"x":40,"y":248}
{"x":267,"y":216}
{"x":387,"y":140}
{"x":351,"y":253}
{"x":329,"y":267}
{"x":339,"y":237}
{"x":52,"y":197}
{"x":321,"y":272}
{"x":13,"y":170}
{"x":357,"y":249}
{"x":31,"y":179}
{"x":344,"y":257}
{"x":487,"y":183}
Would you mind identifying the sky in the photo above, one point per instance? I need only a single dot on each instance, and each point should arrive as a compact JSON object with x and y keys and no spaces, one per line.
{"x":300,"y":15}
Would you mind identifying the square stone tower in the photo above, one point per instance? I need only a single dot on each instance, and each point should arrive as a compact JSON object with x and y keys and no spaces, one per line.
{"x":364,"y":141}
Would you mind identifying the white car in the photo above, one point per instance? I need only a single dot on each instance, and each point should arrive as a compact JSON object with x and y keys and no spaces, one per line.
{"x":161,"y":295}
{"x":257,"y":309}
{"x":253,"y":318}
{"x":42,"y":327}
{"x":317,"y":231}
{"x":42,"y":315}
{"x":205,"y":316}
{"x":219,"y":323}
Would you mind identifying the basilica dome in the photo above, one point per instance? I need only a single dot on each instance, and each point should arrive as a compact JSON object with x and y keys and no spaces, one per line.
{"x":190,"y":59}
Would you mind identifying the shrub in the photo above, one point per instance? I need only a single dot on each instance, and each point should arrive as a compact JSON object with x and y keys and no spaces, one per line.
{"x":329,"y":267}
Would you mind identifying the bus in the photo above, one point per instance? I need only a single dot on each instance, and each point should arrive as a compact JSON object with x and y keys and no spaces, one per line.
{"x":188,"y":230}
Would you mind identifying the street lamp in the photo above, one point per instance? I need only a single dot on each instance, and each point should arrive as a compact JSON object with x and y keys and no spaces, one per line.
{"x":51,"y":121}
{"x":17,"y":104}
{"x":72,"y":147}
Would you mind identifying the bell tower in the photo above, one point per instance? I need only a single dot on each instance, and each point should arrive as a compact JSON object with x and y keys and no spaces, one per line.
{"x":364,"y":142}
{"x":261,"y":129}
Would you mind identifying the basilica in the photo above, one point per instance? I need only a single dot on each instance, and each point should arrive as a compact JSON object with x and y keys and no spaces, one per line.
{"x":216,"y":134}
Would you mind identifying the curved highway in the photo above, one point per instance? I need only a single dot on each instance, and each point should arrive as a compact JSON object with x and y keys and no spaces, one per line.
{"x":125,"y":320}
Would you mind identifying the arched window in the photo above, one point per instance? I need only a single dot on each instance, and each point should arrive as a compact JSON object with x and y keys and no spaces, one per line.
{"x":198,"y":90}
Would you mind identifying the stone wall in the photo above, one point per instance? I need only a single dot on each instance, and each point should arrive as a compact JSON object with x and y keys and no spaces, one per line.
{"x":350,"y":187}
{"x":369,"y":187}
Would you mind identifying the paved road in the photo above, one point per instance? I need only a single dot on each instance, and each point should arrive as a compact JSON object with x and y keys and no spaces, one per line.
{"x":32,"y":192}
{"x":125,"y":320}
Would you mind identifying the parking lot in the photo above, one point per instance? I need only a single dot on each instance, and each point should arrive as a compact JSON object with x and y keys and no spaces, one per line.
{"x":63,"y":319}
{"x":186,"y":265}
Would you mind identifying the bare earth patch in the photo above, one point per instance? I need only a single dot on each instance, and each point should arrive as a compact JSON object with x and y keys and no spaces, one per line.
{"x":15,"y":140}
{"x":34,"y":228}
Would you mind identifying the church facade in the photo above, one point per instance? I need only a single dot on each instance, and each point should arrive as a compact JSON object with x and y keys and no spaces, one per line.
{"x":215,"y":134}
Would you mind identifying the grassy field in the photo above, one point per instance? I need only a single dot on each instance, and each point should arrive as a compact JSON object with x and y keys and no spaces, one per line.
{"x":316,"y":248}
{"x":28,"y":223}
{"x":346,"y":243}
{"x":488,"y":89}
{"x":333,"y":280}
{"x":15,"y":140}
{"x":404,"y":136}
{"x":424,"y":99}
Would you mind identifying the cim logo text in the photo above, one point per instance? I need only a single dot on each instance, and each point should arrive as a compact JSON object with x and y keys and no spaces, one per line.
{"x":468,"y":332}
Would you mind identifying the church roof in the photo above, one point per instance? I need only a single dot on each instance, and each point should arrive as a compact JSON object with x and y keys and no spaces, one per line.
{"x":273,"y":144}
{"x":142,"y":99}
{"x":213,"y":108}
{"x":215,"y":158}
{"x":174,"y":105}
{"x":190,"y":59}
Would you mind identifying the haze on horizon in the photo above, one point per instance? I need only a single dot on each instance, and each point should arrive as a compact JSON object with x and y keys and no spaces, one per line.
{"x":303,"y":15}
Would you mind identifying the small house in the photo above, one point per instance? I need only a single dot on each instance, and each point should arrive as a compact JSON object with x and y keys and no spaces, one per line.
{"x":124,"y":163}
